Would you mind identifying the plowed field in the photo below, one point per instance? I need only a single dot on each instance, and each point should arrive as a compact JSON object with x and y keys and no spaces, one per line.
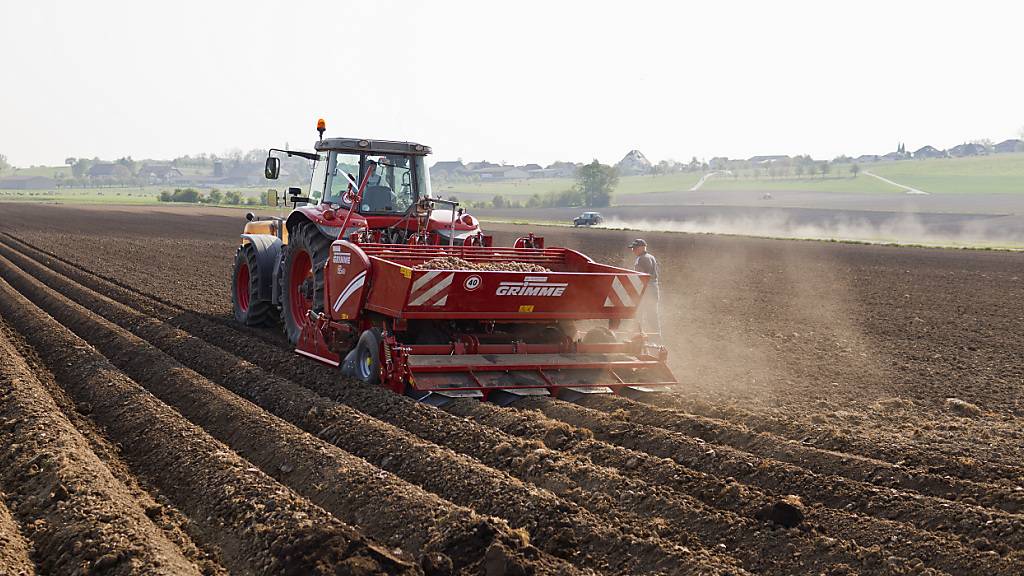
{"x":845,"y":409}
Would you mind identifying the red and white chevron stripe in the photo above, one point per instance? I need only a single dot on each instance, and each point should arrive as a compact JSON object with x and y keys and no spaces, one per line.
{"x":431,"y":289}
{"x":625,"y":293}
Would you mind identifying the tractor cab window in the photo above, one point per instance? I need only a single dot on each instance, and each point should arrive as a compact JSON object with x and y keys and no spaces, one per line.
{"x":316,"y":183}
{"x":397,"y":182}
{"x":343,"y":170}
{"x":391,"y":187}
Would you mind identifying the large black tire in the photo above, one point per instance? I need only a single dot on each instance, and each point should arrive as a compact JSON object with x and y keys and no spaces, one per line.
{"x":304,"y":240}
{"x":367,"y":358}
{"x":249,"y":309}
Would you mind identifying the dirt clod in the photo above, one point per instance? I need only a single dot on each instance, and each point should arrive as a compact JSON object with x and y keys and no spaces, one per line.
{"x":787,"y":512}
{"x":962,"y":407}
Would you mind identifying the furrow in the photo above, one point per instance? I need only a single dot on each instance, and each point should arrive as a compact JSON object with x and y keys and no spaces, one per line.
{"x":63,"y":494}
{"x":870,"y":470}
{"x":175,"y":525}
{"x":991,"y":529}
{"x":14,"y":548}
{"x":384,"y":507}
{"x":931,"y":549}
{"x":382,"y":444}
{"x":260,"y":525}
{"x":942,"y":457}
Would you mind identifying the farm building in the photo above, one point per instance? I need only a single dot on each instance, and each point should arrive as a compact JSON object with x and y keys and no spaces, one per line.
{"x":929,"y":152}
{"x":770,"y":159}
{"x":159,"y":172}
{"x":634,"y":162}
{"x":448,"y":168}
{"x":969,"y":149}
{"x":866,"y":158}
{"x":1011,"y":145}
{"x":109,"y":171}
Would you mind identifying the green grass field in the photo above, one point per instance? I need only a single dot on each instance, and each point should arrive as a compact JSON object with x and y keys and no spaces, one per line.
{"x":131,"y":195}
{"x":995,"y":174}
{"x":845,"y":183}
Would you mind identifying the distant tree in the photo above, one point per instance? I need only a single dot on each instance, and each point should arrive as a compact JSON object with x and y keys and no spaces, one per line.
{"x":824,"y":168}
{"x":855,"y":169}
{"x":215,"y":196}
{"x":597,"y":182}
{"x":81,"y":167}
{"x":190,"y":195}
{"x":533,"y":201}
{"x":128,"y":163}
{"x":165,"y":196}
{"x":252,"y":201}
{"x":232,"y":197}
{"x":70,"y":160}
{"x":499,"y":201}
{"x":4,"y":165}
{"x":799,"y":169}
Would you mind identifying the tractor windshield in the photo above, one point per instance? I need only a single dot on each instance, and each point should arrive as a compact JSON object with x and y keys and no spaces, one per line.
{"x":397,"y":183}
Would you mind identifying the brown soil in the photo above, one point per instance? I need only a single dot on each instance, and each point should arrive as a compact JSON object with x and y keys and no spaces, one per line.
{"x":814,"y":432}
{"x":14,"y":549}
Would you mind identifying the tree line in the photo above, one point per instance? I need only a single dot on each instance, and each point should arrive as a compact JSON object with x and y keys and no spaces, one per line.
{"x":214,"y":196}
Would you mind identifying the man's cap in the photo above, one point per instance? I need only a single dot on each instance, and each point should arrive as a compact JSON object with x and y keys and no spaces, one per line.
{"x":638,"y":242}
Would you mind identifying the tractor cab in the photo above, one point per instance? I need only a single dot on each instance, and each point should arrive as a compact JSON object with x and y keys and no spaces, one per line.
{"x":382,"y":188}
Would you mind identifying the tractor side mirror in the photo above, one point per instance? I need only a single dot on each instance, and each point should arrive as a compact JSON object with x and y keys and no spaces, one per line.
{"x":273,"y":168}
{"x":272,"y":197}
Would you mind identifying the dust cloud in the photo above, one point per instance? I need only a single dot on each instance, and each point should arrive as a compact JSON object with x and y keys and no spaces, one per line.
{"x":890,"y":229}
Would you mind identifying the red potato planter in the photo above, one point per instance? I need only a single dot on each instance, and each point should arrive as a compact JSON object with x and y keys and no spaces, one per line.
{"x":476,"y":332}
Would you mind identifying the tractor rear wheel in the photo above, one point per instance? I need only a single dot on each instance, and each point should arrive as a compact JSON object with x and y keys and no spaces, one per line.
{"x":367,"y":365}
{"x":249,"y":309}
{"x":303,"y":277}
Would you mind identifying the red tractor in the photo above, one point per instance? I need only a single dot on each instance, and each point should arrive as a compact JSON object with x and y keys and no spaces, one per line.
{"x":372,"y":273}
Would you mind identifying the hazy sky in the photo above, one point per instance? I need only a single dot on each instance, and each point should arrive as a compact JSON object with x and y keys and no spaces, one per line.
{"x":511,"y":81}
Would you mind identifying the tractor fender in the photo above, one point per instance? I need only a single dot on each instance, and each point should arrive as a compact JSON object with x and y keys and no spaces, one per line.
{"x":268,"y":256}
{"x":346,"y":281}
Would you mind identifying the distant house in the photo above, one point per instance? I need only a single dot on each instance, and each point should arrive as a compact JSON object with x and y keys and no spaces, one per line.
{"x":929,"y":152}
{"x":562,"y":169}
{"x":159,"y":172}
{"x":633,"y":163}
{"x":27,"y":183}
{"x":1011,"y":145}
{"x":866,"y":158}
{"x":109,"y":171}
{"x":530,"y":167}
{"x":968,"y":149}
{"x":768,"y":159}
{"x":502,"y":173}
{"x":475,"y":166}
{"x":448,"y":168}
{"x":893,"y":156}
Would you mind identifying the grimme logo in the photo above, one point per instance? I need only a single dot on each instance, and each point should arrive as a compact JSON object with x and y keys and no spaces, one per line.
{"x":531,"y":286}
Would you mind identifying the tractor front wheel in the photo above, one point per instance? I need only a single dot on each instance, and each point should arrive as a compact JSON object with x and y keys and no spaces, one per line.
{"x":249,"y":309}
{"x":303,"y":277}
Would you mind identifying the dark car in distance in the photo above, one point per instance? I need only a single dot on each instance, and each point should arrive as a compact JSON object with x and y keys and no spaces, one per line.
{"x":587,"y":219}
